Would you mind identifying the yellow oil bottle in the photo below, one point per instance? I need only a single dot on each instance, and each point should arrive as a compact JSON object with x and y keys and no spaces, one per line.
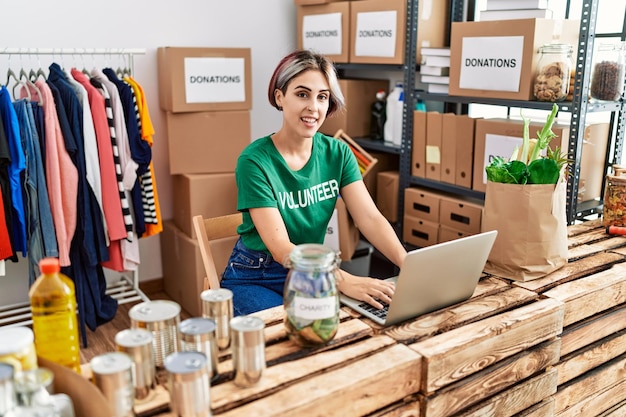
{"x":53,"y":305}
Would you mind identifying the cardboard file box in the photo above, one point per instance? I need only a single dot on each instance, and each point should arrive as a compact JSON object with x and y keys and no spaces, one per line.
{"x":419,"y":232}
{"x":421,"y":204}
{"x":460,"y":214}
{"x":204,"y":79}
{"x":448,"y":233}
{"x":418,"y":149}
{"x":359,"y":96}
{"x":325,"y":28}
{"x":208,"y":195}
{"x":206,"y":142}
{"x":497,"y":59}
{"x":434,"y":127}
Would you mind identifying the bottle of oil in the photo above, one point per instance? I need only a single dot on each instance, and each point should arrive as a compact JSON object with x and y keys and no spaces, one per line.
{"x":53,"y":305}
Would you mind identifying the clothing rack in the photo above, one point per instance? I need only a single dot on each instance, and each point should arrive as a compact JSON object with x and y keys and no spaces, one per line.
{"x":125,"y":290}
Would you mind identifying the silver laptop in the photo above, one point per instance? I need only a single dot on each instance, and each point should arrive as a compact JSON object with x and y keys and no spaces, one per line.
{"x":431,"y":278}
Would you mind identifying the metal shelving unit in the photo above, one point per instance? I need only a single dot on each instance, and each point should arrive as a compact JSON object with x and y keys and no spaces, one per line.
{"x":579,"y":107}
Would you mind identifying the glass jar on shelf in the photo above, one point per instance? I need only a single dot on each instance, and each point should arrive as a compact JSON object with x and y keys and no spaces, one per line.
{"x":607,"y":79}
{"x":552,"y":80}
{"x":311,"y":296}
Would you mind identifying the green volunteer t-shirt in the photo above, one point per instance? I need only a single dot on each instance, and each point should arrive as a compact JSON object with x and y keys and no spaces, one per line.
{"x":305,"y":198}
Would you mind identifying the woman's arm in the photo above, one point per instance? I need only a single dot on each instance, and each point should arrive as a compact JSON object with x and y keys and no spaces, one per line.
{"x":271,"y":227}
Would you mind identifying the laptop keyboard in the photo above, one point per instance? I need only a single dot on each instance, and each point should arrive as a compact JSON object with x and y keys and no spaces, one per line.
{"x":378,"y":312}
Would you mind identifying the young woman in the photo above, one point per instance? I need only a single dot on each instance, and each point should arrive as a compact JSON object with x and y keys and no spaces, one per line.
{"x":288,"y":184}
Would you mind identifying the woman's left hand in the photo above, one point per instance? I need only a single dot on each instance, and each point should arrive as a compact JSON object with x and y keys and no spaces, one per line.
{"x":370,"y":290}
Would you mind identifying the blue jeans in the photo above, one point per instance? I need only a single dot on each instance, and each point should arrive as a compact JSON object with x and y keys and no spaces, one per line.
{"x":255,"y":278}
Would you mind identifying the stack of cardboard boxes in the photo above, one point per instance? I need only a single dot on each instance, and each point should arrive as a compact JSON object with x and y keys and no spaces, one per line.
{"x":206,"y":94}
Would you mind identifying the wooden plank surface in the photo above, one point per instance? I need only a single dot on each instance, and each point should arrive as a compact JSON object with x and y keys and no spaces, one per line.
{"x":228,"y":395}
{"x":454,"y":355}
{"x":591,"y":356}
{"x":591,"y":330}
{"x":356,"y":389}
{"x":543,"y":409}
{"x":599,"y":390}
{"x":573,"y":270}
{"x":517,"y":399}
{"x":458,"y":315}
{"x":590,"y":295}
{"x":501,"y":376}
{"x":409,"y":407}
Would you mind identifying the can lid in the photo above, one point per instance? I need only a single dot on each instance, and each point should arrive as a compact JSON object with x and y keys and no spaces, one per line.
{"x":185,"y":362}
{"x":15,"y":339}
{"x":49,"y":265}
{"x":197,"y":326}
{"x":110,"y":363}
{"x":247,"y":323}
{"x":217,"y":294}
{"x":6,"y":371}
{"x":133,"y":337}
{"x":155,"y":310}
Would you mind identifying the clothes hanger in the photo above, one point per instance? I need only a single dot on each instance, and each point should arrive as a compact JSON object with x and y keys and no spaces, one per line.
{"x":22,"y":81}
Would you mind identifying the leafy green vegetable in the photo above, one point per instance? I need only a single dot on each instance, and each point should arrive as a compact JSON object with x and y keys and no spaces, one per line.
{"x":526,"y":166}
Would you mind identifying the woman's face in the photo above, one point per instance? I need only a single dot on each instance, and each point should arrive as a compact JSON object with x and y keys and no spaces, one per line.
{"x":305,"y":103}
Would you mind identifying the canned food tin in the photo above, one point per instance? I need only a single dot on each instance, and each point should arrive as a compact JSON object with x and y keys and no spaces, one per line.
{"x":7,"y":401}
{"x":137,"y":344}
{"x":217,"y":304}
{"x":161,"y":317}
{"x":188,"y":384}
{"x":198,"y":334}
{"x":18,"y":348}
{"x":248,"y":349}
{"x":112,"y":374}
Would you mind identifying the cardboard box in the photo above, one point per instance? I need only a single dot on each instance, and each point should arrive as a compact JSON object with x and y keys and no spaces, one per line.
{"x":377,"y":31}
{"x":498,"y":137}
{"x":418,"y":148}
{"x":434,"y":127}
{"x":385,"y":162}
{"x":183,"y":270}
{"x":204,"y":79}
{"x":464,"y":133}
{"x":420,"y":232}
{"x":361,"y":260}
{"x":447,"y":233}
{"x":421,"y":204}
{"x":208,"y":195}
{"x":512,"y":45}
{"x":448,"y":148}
{"x":355,"y":120}
{"x":325,"y":28}
{"x":312,"y":2}
{"x":206,"y":142}
{"x":460,"y":214}
{"x":342,"y":234}
{"x":387,"y":196}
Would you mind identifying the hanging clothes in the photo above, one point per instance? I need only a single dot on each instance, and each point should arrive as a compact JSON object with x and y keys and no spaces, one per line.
{"x":88,"y":246}
{"x":152,"y":209}
{"x":140,"y":150}
{"x":130,"y":247}
{"x":40,"y":237}
{"x":6,"y":248}
{"x":61,"y":177}
{"x":15,"y":169}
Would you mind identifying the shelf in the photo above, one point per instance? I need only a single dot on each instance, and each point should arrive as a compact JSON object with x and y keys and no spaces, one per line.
{"x":377,"y":145}
{"x":370,"y":67}
{"x":446,"y":187}
{"x":565,"y":106}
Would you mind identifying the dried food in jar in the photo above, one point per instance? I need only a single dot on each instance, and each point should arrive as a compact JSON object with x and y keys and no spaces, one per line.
{"x":607,"y":81}
{"x":552,"y":82}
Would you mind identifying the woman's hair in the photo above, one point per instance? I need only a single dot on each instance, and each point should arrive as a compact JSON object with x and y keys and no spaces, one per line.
{"x":298,"y":62}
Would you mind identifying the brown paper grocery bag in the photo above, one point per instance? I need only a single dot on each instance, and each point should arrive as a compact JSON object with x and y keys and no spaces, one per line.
{"x":532,"y":229}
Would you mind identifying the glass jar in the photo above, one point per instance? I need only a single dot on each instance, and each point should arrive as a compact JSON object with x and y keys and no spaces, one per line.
{"x":18,"y":348}
{"x":311,"y":297}
{"x":553,"y":72}
{"x":607,"y":79}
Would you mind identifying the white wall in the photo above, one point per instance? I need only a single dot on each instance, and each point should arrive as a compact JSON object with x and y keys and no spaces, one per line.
{"x":268,"y":27}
